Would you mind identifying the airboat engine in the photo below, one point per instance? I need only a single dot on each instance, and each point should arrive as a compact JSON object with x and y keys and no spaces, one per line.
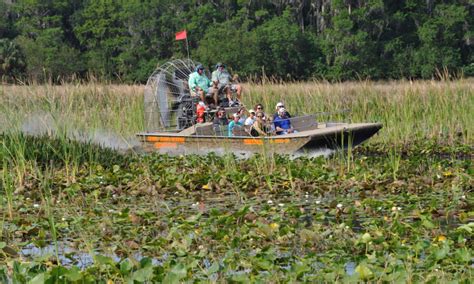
{"x":168,"y":104}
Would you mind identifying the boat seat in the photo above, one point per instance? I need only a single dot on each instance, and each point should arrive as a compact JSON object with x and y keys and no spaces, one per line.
{"x":221,"y":130}
{"x":241,"y":130}
{"x":302,"y":123}
{"x":204,"y":129}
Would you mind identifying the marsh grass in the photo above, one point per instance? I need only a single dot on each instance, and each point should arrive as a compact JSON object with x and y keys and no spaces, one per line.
{"x":110,"y":200}
{"x":394,"y":161}
{"x":8,"y":188}
{"x":89,"y":108}
{"x":409,"y":110}
{"x":48,"y":203}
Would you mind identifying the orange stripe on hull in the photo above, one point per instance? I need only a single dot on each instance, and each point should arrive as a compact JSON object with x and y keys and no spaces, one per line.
{"x":165,"y":139}
{"x":160,"y":145}
{"x":253,"y":141}
{"x":280,"y":141}
{"x":271,"y":141}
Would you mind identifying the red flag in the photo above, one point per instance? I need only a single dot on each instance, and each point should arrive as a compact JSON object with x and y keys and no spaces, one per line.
{"x":181,"y":35}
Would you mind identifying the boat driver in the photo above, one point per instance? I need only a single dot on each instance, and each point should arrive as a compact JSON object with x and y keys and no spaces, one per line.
{"x":223,"y":82}
{"x":199,"y":85}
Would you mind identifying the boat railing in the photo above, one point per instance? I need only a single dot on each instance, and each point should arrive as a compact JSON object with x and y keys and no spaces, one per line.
{"x":300,"y":123}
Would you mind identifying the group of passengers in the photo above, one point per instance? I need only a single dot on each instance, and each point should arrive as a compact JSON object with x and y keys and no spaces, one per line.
{"x":256,"y":123}
{"x":221,"y":82}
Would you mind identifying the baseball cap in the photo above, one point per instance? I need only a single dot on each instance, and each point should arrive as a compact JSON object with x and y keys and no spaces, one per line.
{"x":251,"y":111}
{"x":279,"y":104}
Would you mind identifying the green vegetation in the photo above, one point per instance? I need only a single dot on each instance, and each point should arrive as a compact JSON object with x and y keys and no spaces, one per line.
{"x":336,"y":40}
{"x":398,"y":209}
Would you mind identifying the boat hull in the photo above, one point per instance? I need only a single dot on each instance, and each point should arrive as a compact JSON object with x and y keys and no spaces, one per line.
{"x":329,"y":137}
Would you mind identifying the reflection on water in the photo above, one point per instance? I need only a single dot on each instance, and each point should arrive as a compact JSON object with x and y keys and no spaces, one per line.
{"x":350,"y":268}
{"x":69,"y":256}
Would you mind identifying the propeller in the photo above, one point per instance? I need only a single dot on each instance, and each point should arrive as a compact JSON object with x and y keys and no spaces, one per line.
{"x":164,"y":92}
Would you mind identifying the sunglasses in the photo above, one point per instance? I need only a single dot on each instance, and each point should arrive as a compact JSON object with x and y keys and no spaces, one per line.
{"x":259,"y":115}
{"x":259,"y":107}
{"x":281,"y":106}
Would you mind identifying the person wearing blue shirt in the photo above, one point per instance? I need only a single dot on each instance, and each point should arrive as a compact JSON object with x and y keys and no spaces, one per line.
{"x":278,"y":106}
{"x":282,"y":123}
{"x":233,"y":124}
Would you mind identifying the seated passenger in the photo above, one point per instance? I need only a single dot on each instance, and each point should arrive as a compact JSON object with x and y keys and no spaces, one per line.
{"x":223,"y":81}
{"x":235,"y":121}
{"x":242,"y":114}
{"x":220,"y":120}
{"x":282,"y":123}
{"x":251,"y":119}
{"x":199,"y":85}
{"x":277,"y":107}
{"x":258,"y":128}
{"x":259,"y":107}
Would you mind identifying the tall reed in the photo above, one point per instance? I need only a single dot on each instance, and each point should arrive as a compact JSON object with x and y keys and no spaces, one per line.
{"x":409,"y":110}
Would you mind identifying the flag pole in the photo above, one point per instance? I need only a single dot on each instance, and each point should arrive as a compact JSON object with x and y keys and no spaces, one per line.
{"x":187,"y":46}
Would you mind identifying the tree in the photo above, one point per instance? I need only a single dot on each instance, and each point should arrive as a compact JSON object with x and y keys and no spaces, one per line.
{"x":441,"y":38}
{"x":12,"y":62}
{"x":297,"y":39}
{"x":277,"y":47}
{"x":6,"y":21}
{"x":287,"y":51}
{"x":349,"y":52}
{"x":42,"y":27}
{"x":231,"y":43}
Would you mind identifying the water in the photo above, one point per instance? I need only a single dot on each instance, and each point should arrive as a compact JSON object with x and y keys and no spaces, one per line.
{"x":69,"y":256}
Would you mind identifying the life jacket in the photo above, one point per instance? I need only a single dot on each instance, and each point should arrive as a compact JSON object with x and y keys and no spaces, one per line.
{"x":200,"y":109}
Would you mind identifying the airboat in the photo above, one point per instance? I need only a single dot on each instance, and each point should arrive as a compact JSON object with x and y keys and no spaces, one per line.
{"x":171,"y":123}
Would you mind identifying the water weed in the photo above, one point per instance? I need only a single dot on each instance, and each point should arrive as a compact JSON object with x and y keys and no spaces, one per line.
{"x":398,"y":209}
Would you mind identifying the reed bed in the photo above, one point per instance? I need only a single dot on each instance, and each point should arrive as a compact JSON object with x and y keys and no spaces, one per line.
{"x":409,"y":110}
{"x":82,"y":107}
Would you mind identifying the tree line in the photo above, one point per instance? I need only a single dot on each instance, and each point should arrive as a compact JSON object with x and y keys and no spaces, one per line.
{"x":124,"y":40}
